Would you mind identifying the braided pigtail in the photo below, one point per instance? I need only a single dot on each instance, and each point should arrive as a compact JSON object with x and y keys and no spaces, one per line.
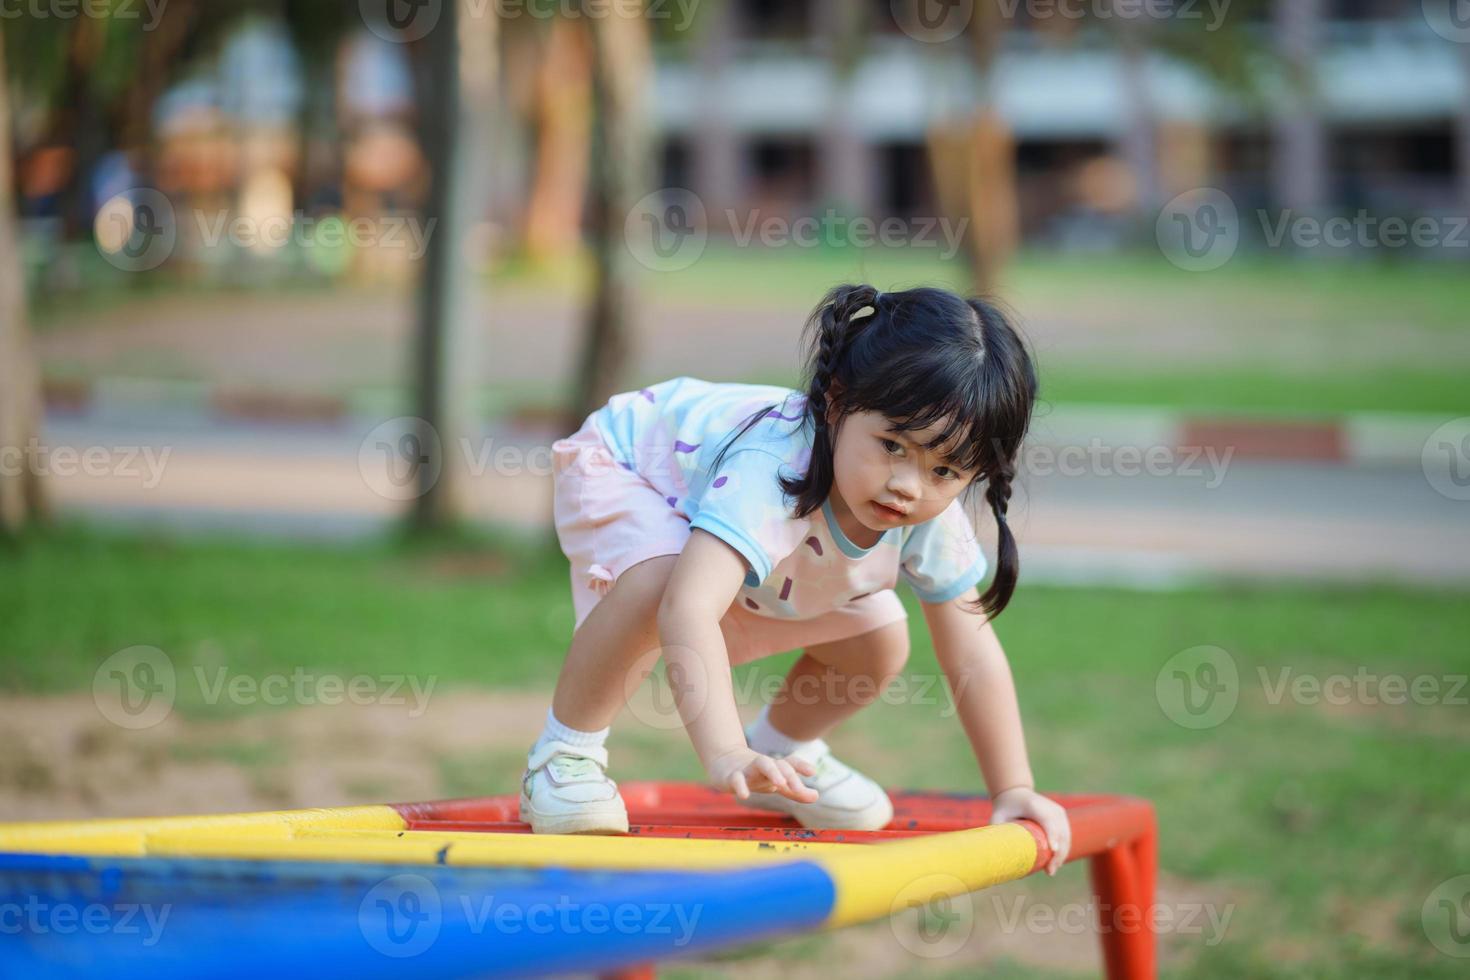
{"x":1008,"y":556}
{"x":831,"y":328}
{"x":829,"y":331}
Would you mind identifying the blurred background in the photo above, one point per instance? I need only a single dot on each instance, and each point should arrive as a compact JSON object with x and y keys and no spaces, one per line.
{"x":295,"y":295}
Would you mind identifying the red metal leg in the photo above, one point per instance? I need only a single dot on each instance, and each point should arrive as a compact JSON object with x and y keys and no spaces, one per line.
{"x":643,"y":971}
{"x":1123,"y":880}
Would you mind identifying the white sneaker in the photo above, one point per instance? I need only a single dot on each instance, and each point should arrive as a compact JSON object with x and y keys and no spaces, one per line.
{"x":565,"y":790}
{"x":846,"y":799}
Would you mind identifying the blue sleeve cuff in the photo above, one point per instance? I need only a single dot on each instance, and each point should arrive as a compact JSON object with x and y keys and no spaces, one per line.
{"x":974,"y":574}
{"x":753,"y":554}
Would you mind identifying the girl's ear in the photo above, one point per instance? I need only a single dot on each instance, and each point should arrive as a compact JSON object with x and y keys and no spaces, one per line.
{"x":834,"y":396}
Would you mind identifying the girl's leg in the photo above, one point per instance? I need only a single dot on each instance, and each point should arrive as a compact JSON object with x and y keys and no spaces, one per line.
{"x":831,"y":681}
{"x":619,"y":637}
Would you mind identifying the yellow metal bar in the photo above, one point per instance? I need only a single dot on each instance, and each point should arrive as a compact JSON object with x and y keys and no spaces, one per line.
{"x":487,"y":849}
{"x":872,"y":882}
{"x":128,"y":837}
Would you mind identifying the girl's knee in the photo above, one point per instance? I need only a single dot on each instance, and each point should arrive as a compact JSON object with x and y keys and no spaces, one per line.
{"x":894,"y":653}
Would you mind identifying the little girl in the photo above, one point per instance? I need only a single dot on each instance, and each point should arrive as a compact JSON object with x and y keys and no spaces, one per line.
{"x":714,"y":524}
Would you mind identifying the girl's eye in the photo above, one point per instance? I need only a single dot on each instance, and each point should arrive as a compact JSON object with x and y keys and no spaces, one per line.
{"x":889,"y":445}
{"x":947,"y":474}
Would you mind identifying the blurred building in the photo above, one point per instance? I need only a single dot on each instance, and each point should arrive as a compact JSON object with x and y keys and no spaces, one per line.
{"x":756,"y":115}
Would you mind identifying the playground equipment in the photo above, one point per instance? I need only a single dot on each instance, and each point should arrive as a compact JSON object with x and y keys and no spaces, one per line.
{"x":460,"y":888}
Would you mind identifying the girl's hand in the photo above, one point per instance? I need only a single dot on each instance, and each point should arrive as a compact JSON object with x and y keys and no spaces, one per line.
{"x":746,"y":771}
{"x":1023,"y":802}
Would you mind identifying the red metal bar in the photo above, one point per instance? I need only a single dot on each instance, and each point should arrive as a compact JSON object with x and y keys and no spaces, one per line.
{"x":1118,"y":834}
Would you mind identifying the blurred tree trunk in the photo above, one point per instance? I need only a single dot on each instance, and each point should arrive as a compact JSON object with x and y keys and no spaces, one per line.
{"x":562,"y":107}
{"x":848,"y":159}
{"x":974,"y":162}
{"x":718,"y":167}
{"x":620,"y":160}
{"x":1300,"y":166}
{"x":1463,"y":124}
{"x":21,"y":495}
{"x":160,"y":53}
{"x":1139,"y":145}
{"x":459,"y":117}
{"x":77,"y":121}
{"x":91,"y":126}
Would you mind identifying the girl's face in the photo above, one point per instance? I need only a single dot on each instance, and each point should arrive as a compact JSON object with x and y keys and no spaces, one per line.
{"x":877,"y":468}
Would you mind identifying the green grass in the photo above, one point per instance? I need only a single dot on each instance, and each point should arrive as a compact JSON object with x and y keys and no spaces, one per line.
{"x":1324,"y":827}
{"x":70,"y":598}
{"x":1265,"y":391}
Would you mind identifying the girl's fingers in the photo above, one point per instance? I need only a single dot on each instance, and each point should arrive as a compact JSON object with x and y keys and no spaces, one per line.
{"x":800,"y":791}
{"x":737,"y":783}
{"x":772,"y":771}
{"x":804,"y":767}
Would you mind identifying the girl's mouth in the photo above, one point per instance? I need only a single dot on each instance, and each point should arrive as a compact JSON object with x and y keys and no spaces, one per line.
{"x":888,"y":512}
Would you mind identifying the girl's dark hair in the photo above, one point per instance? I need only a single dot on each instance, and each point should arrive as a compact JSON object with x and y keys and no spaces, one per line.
{"x":919,"y":357}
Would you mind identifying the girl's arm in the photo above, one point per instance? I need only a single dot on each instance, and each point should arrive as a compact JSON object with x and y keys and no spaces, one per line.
{"x":704,"y":582}
{"x":979,"y":676}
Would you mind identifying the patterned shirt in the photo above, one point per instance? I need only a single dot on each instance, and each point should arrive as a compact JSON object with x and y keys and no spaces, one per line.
{"x":799,"y":568}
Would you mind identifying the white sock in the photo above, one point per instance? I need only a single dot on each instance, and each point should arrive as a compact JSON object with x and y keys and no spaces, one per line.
{"x":767,"y":740}
{"x":555,"y":731}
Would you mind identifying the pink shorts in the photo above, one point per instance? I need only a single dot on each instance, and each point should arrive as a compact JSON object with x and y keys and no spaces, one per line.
{"x":609,"y":519}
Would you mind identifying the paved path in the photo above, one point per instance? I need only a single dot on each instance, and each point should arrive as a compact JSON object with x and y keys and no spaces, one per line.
{"x":1321,"y":522}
